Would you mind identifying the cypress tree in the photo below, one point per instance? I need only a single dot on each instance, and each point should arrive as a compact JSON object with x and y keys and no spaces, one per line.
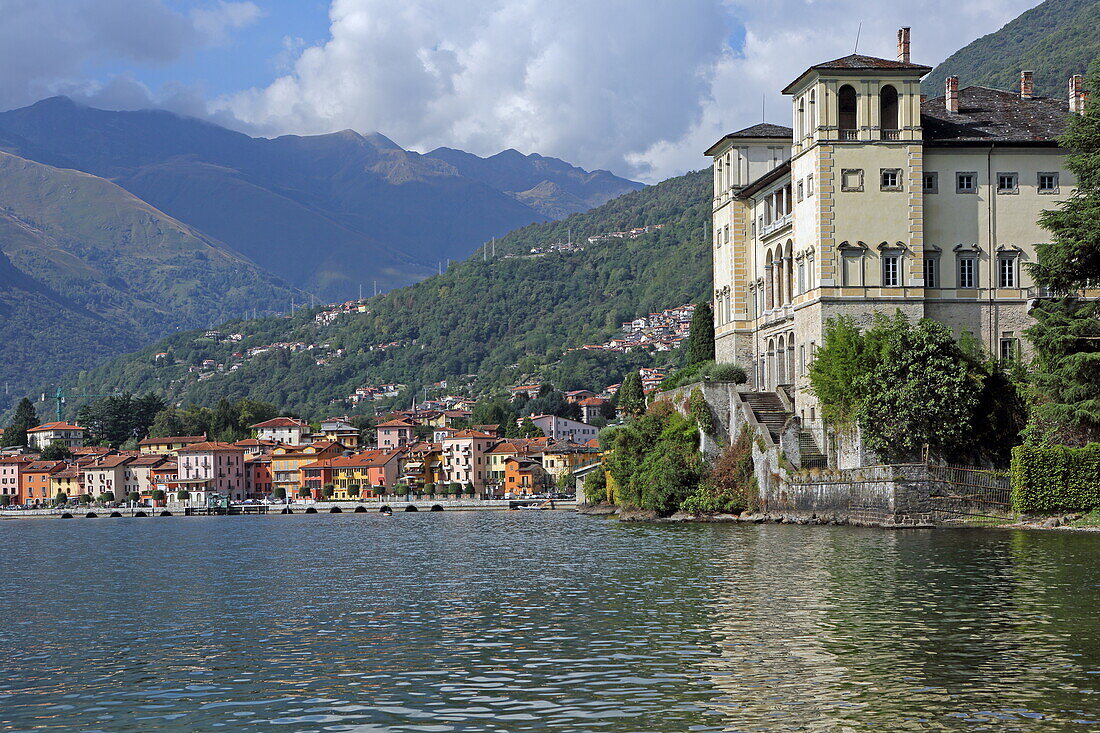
{"x":1066,"y":334}
{"x":631,"y":397}
{"x":24,"y":419}
{"x":701,"y":338}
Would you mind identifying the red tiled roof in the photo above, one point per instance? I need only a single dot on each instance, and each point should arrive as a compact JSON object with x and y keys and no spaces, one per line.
{"x":469,"y":434}
{"x":208,"y":446}
{"x":173,"y":439}
{"x":55,"y":426}
{"x":281,"y":422}
{"x":398,"y":423}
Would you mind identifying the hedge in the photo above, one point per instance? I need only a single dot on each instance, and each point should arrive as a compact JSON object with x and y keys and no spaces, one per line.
{"x":1056,"y":478}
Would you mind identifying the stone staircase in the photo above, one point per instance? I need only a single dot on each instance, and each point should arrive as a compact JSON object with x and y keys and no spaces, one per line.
{"x":770,"y":412}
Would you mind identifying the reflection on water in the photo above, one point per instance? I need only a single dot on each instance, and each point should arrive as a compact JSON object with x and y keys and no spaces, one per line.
{"x":541,"y":621}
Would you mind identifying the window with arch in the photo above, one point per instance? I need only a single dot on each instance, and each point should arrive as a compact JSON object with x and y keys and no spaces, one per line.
{"x":813,"y":112}
{"x":888,"y":112}
{"x":846,"y":112}
{"x":801,"y":118}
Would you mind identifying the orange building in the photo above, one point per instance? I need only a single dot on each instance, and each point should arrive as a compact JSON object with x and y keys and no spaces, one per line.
{"x":525,"y":476}
{"x":35,"y":481}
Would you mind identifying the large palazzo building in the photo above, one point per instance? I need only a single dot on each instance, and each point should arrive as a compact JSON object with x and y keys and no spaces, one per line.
{"x":879,"y":199}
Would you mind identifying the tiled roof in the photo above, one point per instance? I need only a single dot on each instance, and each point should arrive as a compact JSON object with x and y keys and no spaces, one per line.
{"x":469,"y":434}
{"x":173,"y":439}
{"x":759,"y":130}
{"x":55,"y":426}
{"x":281,"y":422}
{"x":110,"y":462}
{"x":398,"y":423}
{"x":857,"y":62}
{"x":993,"y":116}
{"x":208,"y":446}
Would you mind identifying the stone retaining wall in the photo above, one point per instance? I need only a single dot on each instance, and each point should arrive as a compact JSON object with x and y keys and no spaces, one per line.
{"x":891,"y":495}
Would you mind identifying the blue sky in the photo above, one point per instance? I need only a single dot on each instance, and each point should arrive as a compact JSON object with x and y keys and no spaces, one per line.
{"x":640,"y":87}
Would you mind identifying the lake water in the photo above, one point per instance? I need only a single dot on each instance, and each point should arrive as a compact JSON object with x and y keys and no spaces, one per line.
{"x":542,"y":621}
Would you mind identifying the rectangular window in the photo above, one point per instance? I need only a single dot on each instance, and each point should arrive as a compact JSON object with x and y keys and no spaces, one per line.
{"x":1006,"y":272}
{"x":801,"y":190}
{"x":966,"y":182}
{"x":801,"y":359}
{"x":1048,"y":183}
{"x":1008,"y":183}
{"x":851,"y":179}
{"x":968,"y":272}
{"x":727,"y":233}
{"x":891,"y":271}
{"x":810,"y":185}
{"x":931,"y":183}
{"x":931,"y":272}
{"x":801,"y":277}
{"x":1009,"y":346}
{"x":890,"y":179}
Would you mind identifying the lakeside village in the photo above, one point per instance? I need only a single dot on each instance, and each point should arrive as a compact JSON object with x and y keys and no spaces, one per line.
{"x":903,"y":330}
{"x":289,"y":460}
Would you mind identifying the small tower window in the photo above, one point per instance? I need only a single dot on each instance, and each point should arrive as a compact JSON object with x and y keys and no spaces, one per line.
{"x":846,"y":112}
{"x":888,"y":112}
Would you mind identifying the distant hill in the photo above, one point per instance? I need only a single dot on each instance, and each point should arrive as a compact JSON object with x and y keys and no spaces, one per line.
{"x":87,"y":270}
{"x":549,"y":185}
{"x":500,"y":318}
{"x":1055,"y":40}
{"x":327,"y":213}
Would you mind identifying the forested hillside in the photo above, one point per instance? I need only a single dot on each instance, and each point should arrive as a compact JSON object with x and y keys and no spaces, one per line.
{"x":500,"y":318}
{"x":1055,"y":40}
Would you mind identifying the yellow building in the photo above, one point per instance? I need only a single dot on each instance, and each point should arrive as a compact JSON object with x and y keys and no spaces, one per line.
{"x":287,"y":461}
{"x":168,"y":446}
{"x":877,"y":200}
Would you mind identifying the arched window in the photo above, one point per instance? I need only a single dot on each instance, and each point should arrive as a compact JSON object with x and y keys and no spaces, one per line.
{"x":888,"y":108}
{"x":780,"y":362}
{"x":813,"y":112}
{"x":788,"y":257}
{"x":846,"y":112}
{"x":801,"y":118}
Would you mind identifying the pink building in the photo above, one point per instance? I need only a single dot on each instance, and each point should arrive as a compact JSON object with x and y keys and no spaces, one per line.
{"x":211,"y":468}
{"x":464,"y":457}
{"x":394,"y":434}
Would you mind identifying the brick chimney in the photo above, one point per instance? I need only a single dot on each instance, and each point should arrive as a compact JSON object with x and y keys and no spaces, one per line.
{"x":1077,"y":94}
{"x":903,"y":44}
{"x":951,"y":94}
{"x":1027,"y":84}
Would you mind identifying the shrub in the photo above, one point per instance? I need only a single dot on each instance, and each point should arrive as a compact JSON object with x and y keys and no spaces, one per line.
{"x":304,"y":492}
{"x":730,"y":487}
{"x":595,"y":487}
{"x":60,"y":497}
{"x":133,"y":497}
{"x":353,"y":490}
{"x":328,"y":490}
{"x":277,"y":493}
{"x":85,"y":498}
{"x":700,"y":410}
{"x":706,"y":370}
{"x":107,"y":497}
{"x":158,"y":495}
{"x":184,"y":494}
{"x":1049,"y":479}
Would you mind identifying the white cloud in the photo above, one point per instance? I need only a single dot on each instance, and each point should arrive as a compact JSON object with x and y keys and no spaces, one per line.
{"x":216,"y":21}
{"x":46,"y":46}
{"x":638,"y":87}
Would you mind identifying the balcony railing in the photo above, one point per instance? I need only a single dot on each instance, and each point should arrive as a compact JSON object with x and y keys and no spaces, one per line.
{"x":891,"y":134}
{"x":775,"y":225}
{"x":849,"y":134}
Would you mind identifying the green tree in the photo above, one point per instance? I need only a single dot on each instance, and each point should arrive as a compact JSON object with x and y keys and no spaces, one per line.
{"x":353,"y":491}
{"x":106,"y":497}
{"x":631,"y":397}
{"x":700,"y":344}
{"x":595,"y":487}
{"x":278,"y":493}
{"x":24,"y":419}
{"x":60,"y":498}
{"x":5,"y":499}
{"x":183,"y":495}
{"x":133,"y":497}
{"x":655,"y":460}
{"x":56,"y":451}
{"x":922,"y":392}
{"x":328,"y":490}
{"x":528,"y":429}
{"x":304,"y":492}
{"x":837,"y":371}
{"x":1066,"y":333}
{"x":158,"y":495}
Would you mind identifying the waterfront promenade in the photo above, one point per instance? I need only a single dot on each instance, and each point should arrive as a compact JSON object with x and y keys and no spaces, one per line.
{"x":375,"y":505}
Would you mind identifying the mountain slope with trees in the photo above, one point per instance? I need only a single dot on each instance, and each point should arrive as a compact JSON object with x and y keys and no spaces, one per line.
{"x":87,"y":271}
{"x":1055,"y":40}
{"x":500,"y":318}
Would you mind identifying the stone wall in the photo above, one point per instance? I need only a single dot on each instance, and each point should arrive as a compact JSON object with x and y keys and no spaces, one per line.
{"x":889,"y":496}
